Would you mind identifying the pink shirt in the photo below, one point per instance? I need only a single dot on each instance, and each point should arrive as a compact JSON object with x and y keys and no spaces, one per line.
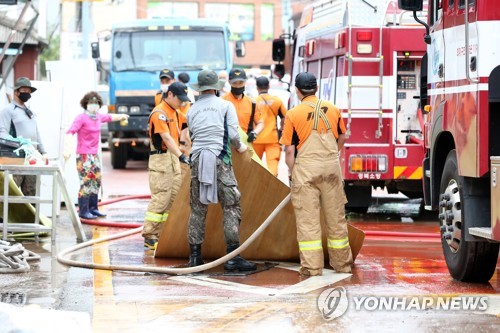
{"x":88,"y":132}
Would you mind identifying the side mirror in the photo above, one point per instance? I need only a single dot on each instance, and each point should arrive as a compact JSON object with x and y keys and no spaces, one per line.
{"x":279,"y":70}
{"x":95,"y":50}
{"x":240,"y":49}
{"x":279,"y":49}
{"x":411,"y":5}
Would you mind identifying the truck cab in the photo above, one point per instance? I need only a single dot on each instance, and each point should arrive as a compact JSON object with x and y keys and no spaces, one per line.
{"x":140,"y":50}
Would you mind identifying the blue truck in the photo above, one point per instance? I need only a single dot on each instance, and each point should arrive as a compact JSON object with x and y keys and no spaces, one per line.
{"x":140,"y":50}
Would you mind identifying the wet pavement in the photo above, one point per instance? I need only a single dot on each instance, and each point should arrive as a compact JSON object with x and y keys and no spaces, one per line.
{"x":399,"y":283}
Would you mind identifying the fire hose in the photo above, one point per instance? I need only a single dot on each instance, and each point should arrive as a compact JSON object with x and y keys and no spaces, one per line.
{"x":164,"y":270}
{"x":170,"y":270}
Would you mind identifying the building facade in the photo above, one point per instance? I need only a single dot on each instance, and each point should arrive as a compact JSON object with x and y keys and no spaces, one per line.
{"x":257,"y":22}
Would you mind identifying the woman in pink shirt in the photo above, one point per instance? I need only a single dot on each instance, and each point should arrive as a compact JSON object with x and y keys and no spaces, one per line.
{"x":87,"y":126}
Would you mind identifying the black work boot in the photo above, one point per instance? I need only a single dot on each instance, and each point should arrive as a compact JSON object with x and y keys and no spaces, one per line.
{"x":195,"y":256}
{"x":238,"y":263}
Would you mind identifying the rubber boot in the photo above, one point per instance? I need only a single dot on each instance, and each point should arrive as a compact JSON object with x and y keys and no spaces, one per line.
{"x":238,"y":263}
{"x":83,"y":206}
{"x":93,"y":207}
{"x":195,"y":256}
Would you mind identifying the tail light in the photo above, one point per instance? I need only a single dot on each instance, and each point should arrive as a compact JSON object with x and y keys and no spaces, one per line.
{"x":368,"y":163}
{"x":364,"y":36}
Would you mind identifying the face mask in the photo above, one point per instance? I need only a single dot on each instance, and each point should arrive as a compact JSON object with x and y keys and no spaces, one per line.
{"x":24,"y":96}
{"x":164,"y":87}
{"x":183,"y":104}
{"x":92,"y":108}
{"x":237,"y":91}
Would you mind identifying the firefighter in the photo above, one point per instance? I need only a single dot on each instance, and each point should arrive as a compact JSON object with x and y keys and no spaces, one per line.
{"x":167,"y":77}
{"x":165,"y":126}
{"x":316,"y":179}
{"x":249,"y":115}
{"x":267,"y":141}
{"x":185,"y":78}
{"x":213,"y":126}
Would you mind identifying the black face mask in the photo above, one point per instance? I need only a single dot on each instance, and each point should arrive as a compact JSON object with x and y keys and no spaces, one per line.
{"x":237,"y":91}
{"x":24,"y":97}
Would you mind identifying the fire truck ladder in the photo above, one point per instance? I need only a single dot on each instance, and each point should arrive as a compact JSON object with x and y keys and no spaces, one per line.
{"x":350,"y":86}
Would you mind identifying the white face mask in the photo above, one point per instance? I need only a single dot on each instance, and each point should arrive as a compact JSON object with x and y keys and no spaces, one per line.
{"x":164,"y":87}
{"x":183,"y":104}
{"x":92,"y":108}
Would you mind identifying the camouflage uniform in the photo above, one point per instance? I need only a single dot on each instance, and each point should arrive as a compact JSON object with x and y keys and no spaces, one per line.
{"x":229,"y":197}
{"x":27,"y":184}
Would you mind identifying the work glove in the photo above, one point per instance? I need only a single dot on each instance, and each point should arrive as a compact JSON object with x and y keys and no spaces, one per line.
{"x":252,"y":136}
{"x":68,"y":146}
{"x":184,"y":159}
{"x":243,"y":148}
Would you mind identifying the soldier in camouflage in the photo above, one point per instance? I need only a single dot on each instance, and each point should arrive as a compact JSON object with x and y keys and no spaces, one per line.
{"x":213,"y":126}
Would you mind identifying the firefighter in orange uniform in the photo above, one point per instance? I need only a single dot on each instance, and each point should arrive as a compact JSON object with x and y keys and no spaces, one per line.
{"x":165,"y":126}
{"x":167,"y":77}
{"x":271,"y":107}
{"x":249,"y":115}
{"x":316,"y":129}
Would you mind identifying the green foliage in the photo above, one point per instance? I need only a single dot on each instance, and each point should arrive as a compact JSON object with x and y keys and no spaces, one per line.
{"x":50,"y":53}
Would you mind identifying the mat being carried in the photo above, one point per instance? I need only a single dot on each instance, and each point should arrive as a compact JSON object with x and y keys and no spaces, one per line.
{"x":261,"y":192}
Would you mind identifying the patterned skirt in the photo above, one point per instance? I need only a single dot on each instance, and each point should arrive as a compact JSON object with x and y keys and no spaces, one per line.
{"x":89,"y":172}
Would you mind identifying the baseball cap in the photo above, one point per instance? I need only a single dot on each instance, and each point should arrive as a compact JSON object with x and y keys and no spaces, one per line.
{"x":208,"y":80}
{"x":179,"y":90}
{"x":262,"y":82}
{"x":167,"y":73}
{"x":306,"y":81}
{"x":24,"y":82}
{"x":237,"y":74}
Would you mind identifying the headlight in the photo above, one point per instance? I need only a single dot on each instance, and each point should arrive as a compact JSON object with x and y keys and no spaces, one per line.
{"x":135,"y":109}
{"x":122,"y":109}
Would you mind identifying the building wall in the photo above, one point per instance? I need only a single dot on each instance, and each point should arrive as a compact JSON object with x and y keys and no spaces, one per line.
{"x":26,"y":64}
{"x":106,"y":13}
{"x":258,"y":51}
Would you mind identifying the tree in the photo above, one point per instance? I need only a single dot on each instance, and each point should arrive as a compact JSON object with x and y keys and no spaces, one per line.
{"x":49,"y":53}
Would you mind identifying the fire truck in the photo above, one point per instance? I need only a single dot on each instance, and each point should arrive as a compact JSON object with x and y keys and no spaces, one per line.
{"x":461,"y":93}
{"x":367,"y":58}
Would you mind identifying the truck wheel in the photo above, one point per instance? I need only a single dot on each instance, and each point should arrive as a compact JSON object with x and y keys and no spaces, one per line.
{"x":466,"y":261}
{"x":359,"y":198}
{"x":119,"y":156}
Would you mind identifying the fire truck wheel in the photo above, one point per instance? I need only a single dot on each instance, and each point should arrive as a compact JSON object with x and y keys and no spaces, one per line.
{"x":466,"y":261}
{"x":119,"y":155}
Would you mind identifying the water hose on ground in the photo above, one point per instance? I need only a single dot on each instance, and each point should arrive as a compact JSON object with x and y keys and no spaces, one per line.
{"x":147,"y":196}
{"x":163,"y":270}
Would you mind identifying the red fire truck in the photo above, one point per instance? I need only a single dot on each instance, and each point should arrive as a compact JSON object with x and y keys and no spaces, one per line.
{"x":367,"y":58}
{"x":461,"y":91}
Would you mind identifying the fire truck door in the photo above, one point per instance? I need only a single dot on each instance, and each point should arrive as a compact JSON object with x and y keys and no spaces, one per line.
{"x":437,"y":47}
